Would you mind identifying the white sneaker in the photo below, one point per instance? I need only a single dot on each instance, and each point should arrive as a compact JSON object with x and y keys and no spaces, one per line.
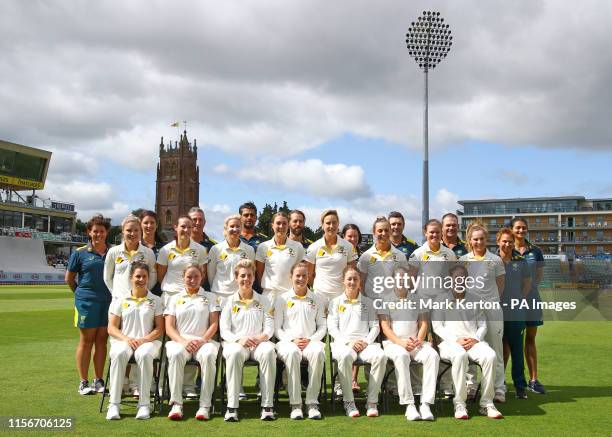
{"x":176,"y":412}
{"x":296,"y":412}
{"x":425,"y":411}
{"x":113,"y":412}
{"x":412,"y":413}
{"x":372,"y":410}
{"x":351,"y":409}
{"x":500,"y":397}
{"x":98,"y":385}
{"x":203,"y":413}
{"x":135,"y":392}
{"x":267,"y":414}
{"x":143,"y":413}
{"x":190,"y":392}
{"x":471,"y":394}
{"x":461,"y":412}
{"x":242,"y":395}
{"x":313,"y":412}
{"x":231,"y":415}
{"x":85,"y":389}
{"x":491,"y":412}
{"x":338,"y":389}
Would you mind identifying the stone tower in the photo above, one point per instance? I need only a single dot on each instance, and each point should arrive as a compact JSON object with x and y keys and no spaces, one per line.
{"x":178,"y":181}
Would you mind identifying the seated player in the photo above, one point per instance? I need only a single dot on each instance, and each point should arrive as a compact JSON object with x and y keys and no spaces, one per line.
{"x":299,"y":318}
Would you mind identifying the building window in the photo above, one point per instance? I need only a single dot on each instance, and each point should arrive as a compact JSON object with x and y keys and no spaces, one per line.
{"x":552,"y":236}
{"x":168,"y":217}
{"x":599,"y":249}
{"x":169,"y":193}
{"x":552,"y":220}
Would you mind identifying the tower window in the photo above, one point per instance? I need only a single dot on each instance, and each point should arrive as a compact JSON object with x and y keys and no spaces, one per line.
{"x":168,"y":217}
{"x":169,"y":193}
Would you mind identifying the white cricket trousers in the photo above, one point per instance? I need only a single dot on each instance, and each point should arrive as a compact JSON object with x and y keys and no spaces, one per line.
{"x":459,"y":358}
{"x":427,"y":356}
{"x":178,"y":356}
{"x":292,"y":356}
{"x":235,"y":355}
{"x":120,"y":353}
{"x":494,"y":338}
{"x":346,"y":356}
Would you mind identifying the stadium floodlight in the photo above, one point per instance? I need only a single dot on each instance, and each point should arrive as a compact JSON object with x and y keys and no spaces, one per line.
{"x":428,"y":40}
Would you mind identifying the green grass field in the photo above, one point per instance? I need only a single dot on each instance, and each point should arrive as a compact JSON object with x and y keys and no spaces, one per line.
{"x":38,"y":377}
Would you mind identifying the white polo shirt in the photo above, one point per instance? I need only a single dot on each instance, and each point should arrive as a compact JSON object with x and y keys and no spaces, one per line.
{"x":431,"y":264}
{"x":402,"y":318}
{"x":352,"y":319}
{"x":278,"y":260}
{"x":221,"y":263}
{"x":137,"y":314}
{"x":299,"y":316}
{"x":376,"y":264}
{"x":177,"y":260}
{"x":329,"y":263}
{"x":192,"y":312}
{"x":117,"y":268}
{"x":489,"y":267}
{"x":246,"y":318}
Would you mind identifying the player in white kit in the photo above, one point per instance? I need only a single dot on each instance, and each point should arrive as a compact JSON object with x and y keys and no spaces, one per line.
{"x":300,"y":326}
{"x":192,"y":320}
{"x":135,"y":323}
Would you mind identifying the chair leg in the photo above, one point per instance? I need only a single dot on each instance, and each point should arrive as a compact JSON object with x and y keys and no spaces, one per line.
{"x":105,"y":387}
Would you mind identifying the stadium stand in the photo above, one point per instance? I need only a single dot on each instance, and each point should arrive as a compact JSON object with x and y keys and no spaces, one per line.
{"x":23,"y":261}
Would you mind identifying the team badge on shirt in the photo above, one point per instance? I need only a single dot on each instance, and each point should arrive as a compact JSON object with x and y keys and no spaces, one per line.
{"x":223,"y":256}
{"x":290,"y":304}
{"x":235,"y":309}
{"x":119,"y":260}
{"x":341,"y":308}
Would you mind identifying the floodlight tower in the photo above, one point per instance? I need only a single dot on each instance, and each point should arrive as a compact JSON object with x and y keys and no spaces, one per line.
{"x":429,"y":40}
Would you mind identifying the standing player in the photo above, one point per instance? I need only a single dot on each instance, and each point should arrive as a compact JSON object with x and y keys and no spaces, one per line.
{"x":248,"y":217}
{"x":299,"y":320}
{"x":135,"y":323}
{"x":198,"y":235}
{"x":462,"y":330}
{"x":535,"y":261}
{"x":450,"y":236}
{"x":297,"y":222}
{"x":224,"y":257}
{"x":490,"y":268}
{"x":353,"y":325}
{"x":352,"y":234}
{"x":150,"y":239}
{"x":247,"y":325}
{"x":328,"y":257}
{"x":398,"y":239}
{"x":91,"y":301}
{"x":380,"y":261}
{"x":406,"y":331}
{"x":175,"y":256}
{"x":192,"y":320}
{"x":275,"y":258}
{"x":120,"y":258}
{"x":517,"y":285}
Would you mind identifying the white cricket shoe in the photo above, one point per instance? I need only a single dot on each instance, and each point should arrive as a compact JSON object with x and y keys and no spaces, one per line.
{"x":461,"y":412}
{"x":372,"y":410}
{"x":313,"y":412}
{"x":231,"y":415}
{"x":491,"y":412}
{"x":267,"y":414}
{"x":203,"y":413}
{"x":176,"y":412}
{"x":296,"y":412}
{"x":143,"y":413}
{"x":425,"y":411}
{"x":412,"y":413}
{"x":351,"y":409}
{"x":113,"y":412}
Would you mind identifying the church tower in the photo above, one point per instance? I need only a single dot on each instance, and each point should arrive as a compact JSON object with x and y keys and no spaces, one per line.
{"x":178,"y":181}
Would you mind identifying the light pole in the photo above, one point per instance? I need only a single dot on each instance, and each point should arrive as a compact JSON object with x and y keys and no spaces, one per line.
{"x":428,"y":40}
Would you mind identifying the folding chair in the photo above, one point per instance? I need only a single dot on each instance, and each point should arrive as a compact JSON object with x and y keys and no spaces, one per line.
{"x":157,"y":398}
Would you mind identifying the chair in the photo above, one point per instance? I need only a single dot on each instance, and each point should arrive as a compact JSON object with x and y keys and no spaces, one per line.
{"x":223,"y":383}
{"x":157,"y":398}
{"x":384,"y":389}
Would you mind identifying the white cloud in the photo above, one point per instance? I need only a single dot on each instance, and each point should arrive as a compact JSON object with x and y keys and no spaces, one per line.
{"x":215,"y":215}
{"x":311,"y":177}
{"x":221,"y":169}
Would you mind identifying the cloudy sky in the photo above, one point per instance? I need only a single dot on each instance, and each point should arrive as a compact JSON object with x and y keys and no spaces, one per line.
{"x":313,"y":102}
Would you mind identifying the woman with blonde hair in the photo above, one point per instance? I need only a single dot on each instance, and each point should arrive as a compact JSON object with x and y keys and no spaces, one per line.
{"x":119,"y":259}
{"x":225,"y":256}
{"x":247,"y":325}
{"x":489,"y":267}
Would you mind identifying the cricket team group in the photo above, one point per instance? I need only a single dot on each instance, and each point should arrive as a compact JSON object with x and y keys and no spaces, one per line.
{"x":280,"y":300}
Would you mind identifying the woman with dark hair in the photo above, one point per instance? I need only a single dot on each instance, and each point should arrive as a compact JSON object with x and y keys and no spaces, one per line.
{"x":135,"y":323}
{"x":151,"y":238}
{"x":352,"y":234}
{"x":91,"y":301}
{"x":535,"y":261}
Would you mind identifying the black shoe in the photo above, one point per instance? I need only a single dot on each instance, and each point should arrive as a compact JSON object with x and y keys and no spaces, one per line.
{"x":521,"y":393}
